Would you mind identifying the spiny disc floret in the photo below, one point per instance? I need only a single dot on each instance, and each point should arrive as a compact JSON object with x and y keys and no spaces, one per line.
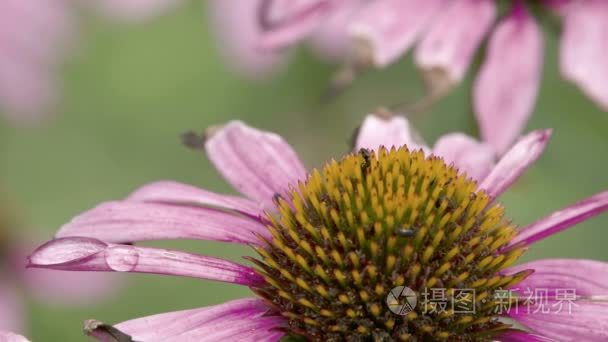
{"x":374,"y":221}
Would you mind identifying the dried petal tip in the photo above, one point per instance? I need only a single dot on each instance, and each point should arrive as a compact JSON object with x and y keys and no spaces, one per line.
{"x":104,"y":332}
{"x":193,"y":140}
{"x":211,"y":131}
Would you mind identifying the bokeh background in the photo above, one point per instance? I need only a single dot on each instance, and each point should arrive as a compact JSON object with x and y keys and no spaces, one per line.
{"x":131,"y":90}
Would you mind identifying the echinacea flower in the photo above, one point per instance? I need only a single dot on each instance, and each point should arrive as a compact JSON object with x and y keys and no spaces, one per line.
{"x":333,"y":243}
{"x":448,"y":34}
{"x":32,"y":42}
{"x":64,"y":288}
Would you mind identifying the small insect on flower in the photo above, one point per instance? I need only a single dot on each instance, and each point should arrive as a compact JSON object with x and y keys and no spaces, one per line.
{"x":342,"y":246}
{"x":405,"y":232}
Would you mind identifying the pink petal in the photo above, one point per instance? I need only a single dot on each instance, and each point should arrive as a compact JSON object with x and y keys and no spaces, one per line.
{"x":451,"y":42}
{"x":517,"y":160}
{"x":583,"y":321}
{"x":587,"y":277}
{"x":135,"y":10}
{"x":170,"y":192}
{"x":584,"y":43}
{"x":236,"y":26}
{"x":237,"y":320}
{"x":257,"y":163}
{"x":87,"y":254}
{"x":289,"y":21}
{"x":57,"y":287}
{"x":26,"y":89}
{"x":6,"y":336}
{"x":505,"y":91}
{"x":331,"y":40}
{"x":390,"y":27}
{"x":377,"y":131}
{"x":470,"y":156}
{"x":126,"y":221}
{"x":562,"y":219}
{"x":11,"y":309}
{"x":521,"y":336}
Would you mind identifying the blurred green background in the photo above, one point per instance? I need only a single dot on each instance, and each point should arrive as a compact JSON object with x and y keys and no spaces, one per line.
{"x":131,"y":90}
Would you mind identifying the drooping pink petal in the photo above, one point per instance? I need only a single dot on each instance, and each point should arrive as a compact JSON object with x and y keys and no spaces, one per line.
{"x":517,"y":160}
{"x":583,"y":47}
{"x":467,"y":154}
{"x":170,"y":192}
{"x":562,"y":219}
{"x":505,"y":91}
{"x":87,"y":254}
{"x":57,"y":287}
{"x":237,"y":320}
{"x":285,"y":22}
{"x":390,"y":27}
{"x":453,"y":38}
{"x":11,"y":308}
{"x":521,"y":336}
{"x":258,"y":164}
{"x":583,"y":320}
{"x":585,"y":277}
{"x":331,"y":39}
{"x":237,"y":28}
{"x":7,"y":336}
{"x":377,"y":130}
{"x":128,"y":221}
{"x":135,"y":10}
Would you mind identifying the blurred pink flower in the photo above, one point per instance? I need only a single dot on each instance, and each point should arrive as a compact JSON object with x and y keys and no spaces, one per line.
{"x":58,"y":289}
{"x":448,"y":35}
{"x":299,"y":240}
{"x":33,"y":37}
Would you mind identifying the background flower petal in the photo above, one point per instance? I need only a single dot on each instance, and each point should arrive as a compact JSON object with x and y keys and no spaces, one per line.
{"x":583,"y":48}
{"x":389,"y":28}
{"x":291,"y":21}
{"x":331,"y":39}
{"x":505,"y":90}
{"x":236,"y":26}
{"x":451,"y":42}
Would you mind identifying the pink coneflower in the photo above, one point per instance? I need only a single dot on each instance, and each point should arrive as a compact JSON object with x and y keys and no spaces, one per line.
{"x":32,"y":43}
{"x":64,"y":288}
{"x":333,"y":242}
{"x":448,"y":34}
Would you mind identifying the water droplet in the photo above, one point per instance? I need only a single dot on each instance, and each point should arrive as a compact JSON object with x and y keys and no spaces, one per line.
{"x":122,"y":258}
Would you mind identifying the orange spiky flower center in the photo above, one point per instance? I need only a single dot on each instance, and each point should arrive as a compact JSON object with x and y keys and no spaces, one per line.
{"x":371,"y":222}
